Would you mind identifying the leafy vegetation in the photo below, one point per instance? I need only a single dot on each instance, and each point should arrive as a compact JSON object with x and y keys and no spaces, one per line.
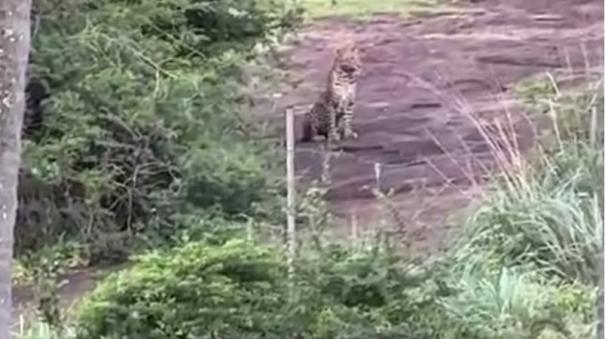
{"x":240,"y":290}
{"x":235,"y":290}
{"x":138,"y":138}
{"x":535,"y":239}
{"x":135,"y":120}
{"x":524,"y":269}
{"x":547,"y":212}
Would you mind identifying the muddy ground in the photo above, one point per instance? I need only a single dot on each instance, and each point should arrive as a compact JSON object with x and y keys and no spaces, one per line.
{"x":427,"y":82}
{"x":424,"y":77}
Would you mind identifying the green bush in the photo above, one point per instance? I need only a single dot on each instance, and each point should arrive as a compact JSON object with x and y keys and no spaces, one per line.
{"x":371,"y":293}
{"x":228,"y":179}
{"x":139,"y":120}
{"x":235,"y":290}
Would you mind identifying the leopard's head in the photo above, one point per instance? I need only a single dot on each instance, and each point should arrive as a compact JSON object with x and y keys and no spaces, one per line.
{"x":348,"y":59}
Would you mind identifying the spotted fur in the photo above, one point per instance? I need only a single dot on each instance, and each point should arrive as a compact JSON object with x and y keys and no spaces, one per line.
{"x":332,"y":114}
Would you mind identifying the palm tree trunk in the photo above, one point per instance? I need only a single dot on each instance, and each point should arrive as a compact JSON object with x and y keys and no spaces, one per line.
{"x":14,"y":55}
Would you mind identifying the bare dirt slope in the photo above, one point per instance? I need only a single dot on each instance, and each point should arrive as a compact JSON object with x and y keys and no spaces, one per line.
{"x":422,"y":78}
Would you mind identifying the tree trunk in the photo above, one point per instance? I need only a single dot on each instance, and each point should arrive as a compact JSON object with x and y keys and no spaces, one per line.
{"x":14,"y":55}
{"x":600,"y":305}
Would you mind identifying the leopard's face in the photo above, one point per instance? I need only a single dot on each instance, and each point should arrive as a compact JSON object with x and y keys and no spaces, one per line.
{"x":348,"y":60}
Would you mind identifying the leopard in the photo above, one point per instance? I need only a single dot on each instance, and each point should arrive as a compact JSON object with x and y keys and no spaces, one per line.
{"x":332,"y":113}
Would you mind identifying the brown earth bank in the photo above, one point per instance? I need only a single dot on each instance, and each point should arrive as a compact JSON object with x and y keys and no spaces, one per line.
{"x":428,"y":83}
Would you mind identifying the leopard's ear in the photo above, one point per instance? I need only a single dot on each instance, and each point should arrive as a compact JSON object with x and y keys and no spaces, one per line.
{"x":347,"y":45}
{"x":340,"y":51}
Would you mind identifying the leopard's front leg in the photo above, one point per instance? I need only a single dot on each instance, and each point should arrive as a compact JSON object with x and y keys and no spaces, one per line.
{"x":333,"y":135}
{"x":347,"y":122}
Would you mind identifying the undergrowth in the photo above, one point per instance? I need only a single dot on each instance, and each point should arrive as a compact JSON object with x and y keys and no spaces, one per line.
{"x":136,"y":127}
{"x":533,"y":244}
{"x":163,"y":163}
{"x":547,"y":211}
{"x":135,"y":121}
{"x":524,"y":267}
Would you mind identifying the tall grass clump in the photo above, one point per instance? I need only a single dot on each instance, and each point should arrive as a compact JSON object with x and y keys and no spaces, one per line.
{"x":545,"y":212}
{"x":526,"y":264}
{"x":514,"y":303}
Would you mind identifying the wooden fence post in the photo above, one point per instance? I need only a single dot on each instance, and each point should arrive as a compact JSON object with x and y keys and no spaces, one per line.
{"x":291,"y":186}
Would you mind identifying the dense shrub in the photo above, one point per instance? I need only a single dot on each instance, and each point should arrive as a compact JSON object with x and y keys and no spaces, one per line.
{"x":231,"y":291}
{"x":134,"y":119}
{"x":234,"y":289}
{"x":220,"y":288}
{"x":371,"y":293}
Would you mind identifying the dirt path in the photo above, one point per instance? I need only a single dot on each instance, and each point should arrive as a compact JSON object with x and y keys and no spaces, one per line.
{"x":74,"y":285}
{"x":422,"y":78}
